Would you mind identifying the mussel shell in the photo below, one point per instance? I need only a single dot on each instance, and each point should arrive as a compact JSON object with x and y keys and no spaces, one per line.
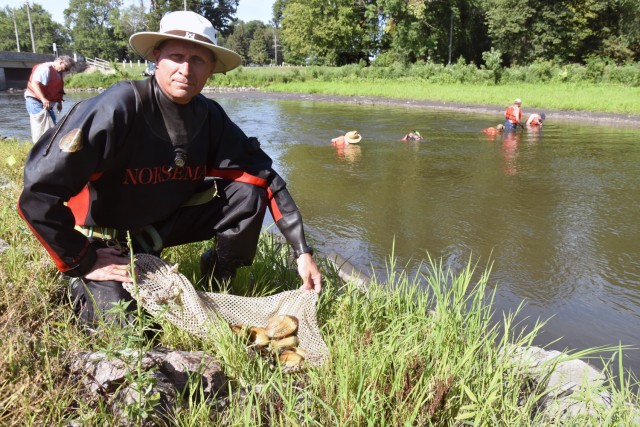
{"x":282,"y":326}
{"x":240,"y":330}
{"x":290,"y":358}
{"x":258,"y":336}
{"x":284,"y":343}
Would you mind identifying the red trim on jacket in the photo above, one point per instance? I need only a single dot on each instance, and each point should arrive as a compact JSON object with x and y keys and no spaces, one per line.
{"x":273,"y":206}
{"x":79,"y":204}
{"x":241,"y":176}
{"x":60,"y":264}
{"x":238,"y":176}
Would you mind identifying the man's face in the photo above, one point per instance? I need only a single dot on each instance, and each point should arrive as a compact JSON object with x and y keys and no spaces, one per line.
{"x":60,"y":66}
{"x":182,"y":69}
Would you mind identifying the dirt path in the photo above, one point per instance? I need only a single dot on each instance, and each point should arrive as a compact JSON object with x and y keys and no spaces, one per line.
{"x":608,"y":119}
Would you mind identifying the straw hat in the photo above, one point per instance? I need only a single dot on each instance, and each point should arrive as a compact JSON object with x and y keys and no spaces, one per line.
{"x":517,"y":101}
{"x":189,"y":26}
{"x":352,"y":137}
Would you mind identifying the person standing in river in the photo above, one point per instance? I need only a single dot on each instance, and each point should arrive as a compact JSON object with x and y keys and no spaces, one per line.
{"x":45,"y":90}
{"x":513,"y":116}
{"x":157,"y":159}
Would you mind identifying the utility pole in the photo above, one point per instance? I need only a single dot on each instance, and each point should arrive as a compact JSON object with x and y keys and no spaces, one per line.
{"x":185,"y":4}
{"x":15,"y":26}
{"x":33,"y":43}
{"x":450,"y":37}
{"x":275,"y":44}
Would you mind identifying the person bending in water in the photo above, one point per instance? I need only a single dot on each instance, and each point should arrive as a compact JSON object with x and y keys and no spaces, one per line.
{"x":413,"y":136}
{"x":494,"y":130}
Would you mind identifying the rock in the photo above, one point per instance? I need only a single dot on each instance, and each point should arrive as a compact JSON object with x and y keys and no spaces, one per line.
{"x":152,"y":384}
{"x":102,"y":374}
{"x":573,"y":387}
{"x":160,"y":400}
{"x":180,"y":366}
{"x":4,"y":246}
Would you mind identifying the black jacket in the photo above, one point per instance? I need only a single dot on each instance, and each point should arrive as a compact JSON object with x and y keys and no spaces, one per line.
{"x":110,"y":163}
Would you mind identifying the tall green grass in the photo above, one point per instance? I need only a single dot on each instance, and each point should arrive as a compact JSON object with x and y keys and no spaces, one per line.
{"x":413,"y":350}
{"x":550,"y":96}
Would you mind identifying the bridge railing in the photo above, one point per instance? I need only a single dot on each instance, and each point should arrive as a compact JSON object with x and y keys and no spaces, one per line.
{"x":99,"y":63}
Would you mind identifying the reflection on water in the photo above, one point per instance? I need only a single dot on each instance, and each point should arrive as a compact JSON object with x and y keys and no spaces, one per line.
{"x":556,"y":211}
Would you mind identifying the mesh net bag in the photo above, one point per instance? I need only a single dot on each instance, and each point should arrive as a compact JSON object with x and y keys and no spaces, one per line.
{"x":163,"y":291}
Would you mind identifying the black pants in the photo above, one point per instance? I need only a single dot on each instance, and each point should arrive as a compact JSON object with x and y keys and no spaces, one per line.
{"x":234,"y":217}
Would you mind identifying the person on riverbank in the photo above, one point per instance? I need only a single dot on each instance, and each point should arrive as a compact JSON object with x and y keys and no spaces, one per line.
{"x":513,"y":116}
{"x":45,"y":90}
{"x":352,"y":137}
{"x":413,"y":136}
{"x":536,"y":119}
{"x":160,"y":161}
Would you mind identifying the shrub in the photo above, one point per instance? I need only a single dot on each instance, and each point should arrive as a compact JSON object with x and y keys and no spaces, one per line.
{"x":540,"y":71}
{"x":628,"y":75}
{"x":493,"y":62}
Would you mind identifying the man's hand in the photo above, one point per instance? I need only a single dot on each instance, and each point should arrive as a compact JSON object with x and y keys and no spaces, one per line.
{"x":111,"y":265}
{"x":311,"y":276}
{"x":59,"y":106}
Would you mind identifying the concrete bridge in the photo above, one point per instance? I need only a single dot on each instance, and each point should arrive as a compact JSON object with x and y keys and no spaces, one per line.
{"x":15,"y":68}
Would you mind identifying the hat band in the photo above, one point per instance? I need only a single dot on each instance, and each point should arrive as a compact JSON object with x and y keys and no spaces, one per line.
{"x":189,"y":35}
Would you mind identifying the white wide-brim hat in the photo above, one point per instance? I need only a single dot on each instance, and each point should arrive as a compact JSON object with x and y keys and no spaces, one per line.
{"x":187,"y":26}
{"x":352,"y":137}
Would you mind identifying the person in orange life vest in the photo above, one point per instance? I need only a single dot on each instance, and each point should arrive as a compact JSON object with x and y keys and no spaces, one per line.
{"x":513,"y":116}
{"x":352,"y":137}
{"x":536,"y":119}
{"x":494,"y":130}
{"x":45,"y":88}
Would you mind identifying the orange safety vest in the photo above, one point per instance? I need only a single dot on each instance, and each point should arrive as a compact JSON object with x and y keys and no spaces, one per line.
{"x":54,"y":89}
{"x":513,"y":114}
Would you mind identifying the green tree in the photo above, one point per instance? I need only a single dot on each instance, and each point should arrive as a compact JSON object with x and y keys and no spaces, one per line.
{"x":220,"y":12}
{"x":92,"y":30}
{"x":564,"y":30}
{"x":433,"y":30}
{"x":239,"y":40}
{"x":45,"y":31}
{"x":258,"y":53}
{"x":332,"y":34}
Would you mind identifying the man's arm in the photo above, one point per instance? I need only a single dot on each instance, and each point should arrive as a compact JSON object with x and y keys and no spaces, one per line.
{"x":60,"y":167}
{"x":37,"y":88}
{"x":240,"y":153}
{"x":289,"y":222}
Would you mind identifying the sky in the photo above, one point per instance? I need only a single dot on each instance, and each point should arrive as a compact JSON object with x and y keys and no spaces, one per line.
{"x":248,"y":10}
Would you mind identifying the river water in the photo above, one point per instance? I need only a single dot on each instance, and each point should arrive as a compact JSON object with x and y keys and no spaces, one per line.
{"x":556,"y":212}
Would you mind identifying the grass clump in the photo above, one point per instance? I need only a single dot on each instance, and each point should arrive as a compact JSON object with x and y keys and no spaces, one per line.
{"x":419,"y":350}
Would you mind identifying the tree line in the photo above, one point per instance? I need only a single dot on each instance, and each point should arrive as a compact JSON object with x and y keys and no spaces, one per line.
{"x":340,"y":32}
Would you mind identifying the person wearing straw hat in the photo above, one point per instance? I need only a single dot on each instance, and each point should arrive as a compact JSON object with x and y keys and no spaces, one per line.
{"x":352,"y":137}
{"x":157,"y":160}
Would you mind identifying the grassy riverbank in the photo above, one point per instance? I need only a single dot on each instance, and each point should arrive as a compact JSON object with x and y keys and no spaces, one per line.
{"x":400,"y":354}
{"x":457,"y":85}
